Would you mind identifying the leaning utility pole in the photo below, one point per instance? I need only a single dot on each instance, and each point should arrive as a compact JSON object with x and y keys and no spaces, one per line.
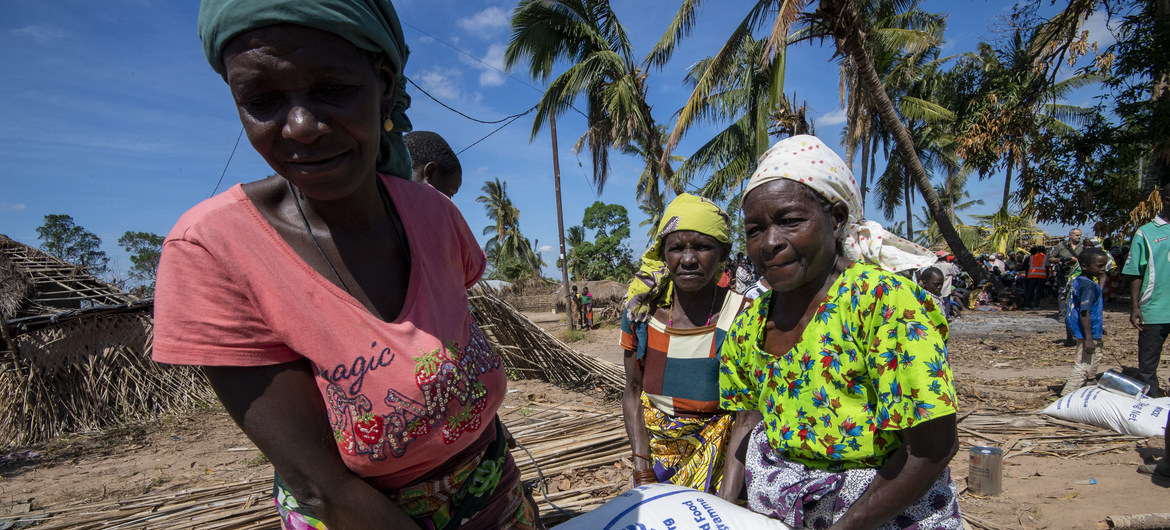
{"x":561,"y":226}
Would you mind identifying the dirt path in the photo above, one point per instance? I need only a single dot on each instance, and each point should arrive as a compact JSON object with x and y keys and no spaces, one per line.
{"x":1020,"y":352}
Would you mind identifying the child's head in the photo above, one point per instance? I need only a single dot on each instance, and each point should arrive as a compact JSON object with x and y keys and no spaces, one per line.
{"x":931,"y":280}
{"x":1093,"y":261}
{"x":433,"y":162}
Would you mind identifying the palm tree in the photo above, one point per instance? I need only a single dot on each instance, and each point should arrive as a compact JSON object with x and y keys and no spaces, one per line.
{"x":839,"y":19}
{"x":744,"y":100}
{"x":507,"y":246}
{"x":842,"y":20}
{"x":900,"y":36}
{"x":588,"y":35}
{"x":715,"y":71}
{"x":1016,"y":103}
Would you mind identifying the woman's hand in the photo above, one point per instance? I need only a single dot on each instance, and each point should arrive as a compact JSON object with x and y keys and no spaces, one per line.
{"x":909,"y":473}
{"x":733,"y":464}
{"x":635,"y":421}
{"x":280,"y":409}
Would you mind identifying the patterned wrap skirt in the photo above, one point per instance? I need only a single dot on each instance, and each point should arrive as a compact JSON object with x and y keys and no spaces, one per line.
{"x":482,"y":491}
{"x":804,"y":497}
{"x":687,"y":451}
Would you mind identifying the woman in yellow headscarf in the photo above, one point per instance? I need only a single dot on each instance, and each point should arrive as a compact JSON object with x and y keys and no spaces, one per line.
{"x":675,"y":320}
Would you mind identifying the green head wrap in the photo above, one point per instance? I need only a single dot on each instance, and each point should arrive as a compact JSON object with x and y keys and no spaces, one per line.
{"x":371,"y":25}
{"x":652,"y":281}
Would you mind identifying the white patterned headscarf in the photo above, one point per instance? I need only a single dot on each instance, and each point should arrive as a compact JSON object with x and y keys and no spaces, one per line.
{"x":807,"y":160}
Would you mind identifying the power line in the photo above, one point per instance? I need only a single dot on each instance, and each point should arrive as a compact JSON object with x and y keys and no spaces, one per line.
{"x":452,"y":109}
{"x":480,"y":61}
{"x":476,"y":59}
{"x":229,"y":161}
{"x":485,"y":137}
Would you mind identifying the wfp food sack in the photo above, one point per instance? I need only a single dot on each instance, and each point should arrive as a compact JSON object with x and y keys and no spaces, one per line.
{"x":670,"y":507}
{"x":1095,"y":406}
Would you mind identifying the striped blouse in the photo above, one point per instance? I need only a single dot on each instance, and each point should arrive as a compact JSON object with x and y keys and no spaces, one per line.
{"x":680,"y":367}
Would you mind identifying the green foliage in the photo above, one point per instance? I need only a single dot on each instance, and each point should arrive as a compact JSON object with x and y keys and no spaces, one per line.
{"x":1086,"y":179}
{"x":510,"y":254}
{"x":64,"y":239}
{"x":145,"y":249}
{"x":607,"y":256}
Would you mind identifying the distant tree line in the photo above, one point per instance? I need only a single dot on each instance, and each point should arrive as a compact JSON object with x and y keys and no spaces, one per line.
{"x":62,"y":238}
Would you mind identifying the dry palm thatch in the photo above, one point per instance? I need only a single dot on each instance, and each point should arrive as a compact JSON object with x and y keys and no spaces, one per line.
{"x":15,"y":287}
{"x":532,"y":353}
{"x":75,"y":354}
{"x":559,"y":438}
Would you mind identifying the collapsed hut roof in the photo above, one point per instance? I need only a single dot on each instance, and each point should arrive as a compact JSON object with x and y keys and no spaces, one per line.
{"x":35,"y":285}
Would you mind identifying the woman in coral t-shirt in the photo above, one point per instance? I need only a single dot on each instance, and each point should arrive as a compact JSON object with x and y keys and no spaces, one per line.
{"x":327,"y":302}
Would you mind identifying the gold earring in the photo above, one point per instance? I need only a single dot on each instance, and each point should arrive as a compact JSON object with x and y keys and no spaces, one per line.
{"x":388,"y":123}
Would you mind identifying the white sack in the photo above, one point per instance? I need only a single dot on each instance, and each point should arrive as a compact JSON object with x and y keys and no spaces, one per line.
{"x":1095,"y":406}
{"x":670,"y":507}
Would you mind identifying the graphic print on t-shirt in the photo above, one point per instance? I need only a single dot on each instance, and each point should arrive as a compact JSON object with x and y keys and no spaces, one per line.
{"x":445,"y":377}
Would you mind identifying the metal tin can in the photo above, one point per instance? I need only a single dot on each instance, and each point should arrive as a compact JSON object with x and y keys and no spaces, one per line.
{"x":985,"y":474}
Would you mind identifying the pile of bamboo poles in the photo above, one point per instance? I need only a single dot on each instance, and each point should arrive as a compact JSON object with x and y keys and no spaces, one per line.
{"x":530,"y":352}
{"x":560,"y":438}
{"x":1041,"y":435}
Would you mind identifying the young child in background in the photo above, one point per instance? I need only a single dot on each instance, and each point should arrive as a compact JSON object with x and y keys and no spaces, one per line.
{"x":587,"y":307}
{"x":1084,"y":318}
{"x":931,"y":280}
{"x":433,"y":162}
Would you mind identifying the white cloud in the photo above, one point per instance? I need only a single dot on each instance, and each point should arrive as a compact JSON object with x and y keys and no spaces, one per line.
{"x":486,"y":23}
{"x":41,"y":34}
{"x":544,"y":248}
{"x":491,"y":73}
{"x":443,"y":83}
{"x":1099,"y":30}
{"x":426,"y":39}
{"x":11,"y":207}
{"x":836,"y":117}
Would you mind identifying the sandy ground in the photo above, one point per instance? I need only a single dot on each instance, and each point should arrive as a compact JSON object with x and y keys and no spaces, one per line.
{"x":1010,"y":350}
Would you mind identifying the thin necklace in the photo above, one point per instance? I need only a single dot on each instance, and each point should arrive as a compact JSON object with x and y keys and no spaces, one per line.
{"x":309,"y":229}
{"x":710,"y":313}
{"x":386,"y":205}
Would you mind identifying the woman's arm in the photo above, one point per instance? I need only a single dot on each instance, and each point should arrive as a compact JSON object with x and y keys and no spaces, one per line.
{"x":634,"y":419}
{"x":733,"y":464}
{"x":280,"y":409}
{"x":909,"y":473}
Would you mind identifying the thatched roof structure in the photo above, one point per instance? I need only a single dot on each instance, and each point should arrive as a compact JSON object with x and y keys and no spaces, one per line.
{"x":603,"y":291}
{"x":75,"y":352}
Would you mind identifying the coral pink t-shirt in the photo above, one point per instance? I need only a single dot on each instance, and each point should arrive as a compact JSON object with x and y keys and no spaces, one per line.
{"x":402,"y":397}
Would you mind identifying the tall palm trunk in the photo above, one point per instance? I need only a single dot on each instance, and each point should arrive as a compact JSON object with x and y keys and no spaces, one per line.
{"x":873,"y":149}
{"x":846,"y":27}
{"x":1159,"y":172}
{"x":865,"y":154}
{"x":909,"y":212}
{"x":1007,"y":182}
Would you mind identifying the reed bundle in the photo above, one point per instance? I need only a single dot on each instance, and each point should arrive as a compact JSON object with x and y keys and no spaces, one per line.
{"x":531,"y":352}
{"x":559,"y":438}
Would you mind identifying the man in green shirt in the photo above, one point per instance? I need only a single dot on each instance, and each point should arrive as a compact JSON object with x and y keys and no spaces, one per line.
{"x":1149,"y":267}
{"x":1069,"y":250}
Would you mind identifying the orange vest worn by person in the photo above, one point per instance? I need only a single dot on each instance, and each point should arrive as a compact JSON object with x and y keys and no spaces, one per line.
{"x":1038,"y":266}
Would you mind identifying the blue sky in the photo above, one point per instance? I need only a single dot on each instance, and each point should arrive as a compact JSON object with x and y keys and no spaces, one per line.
{"x":112,"y":115}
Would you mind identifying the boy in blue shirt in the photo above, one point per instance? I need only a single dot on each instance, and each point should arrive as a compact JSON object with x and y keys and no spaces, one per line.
{"x":1084,"y":317}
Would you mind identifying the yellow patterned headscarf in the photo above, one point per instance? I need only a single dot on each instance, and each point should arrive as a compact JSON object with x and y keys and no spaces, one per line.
{"x":685,"y":212}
